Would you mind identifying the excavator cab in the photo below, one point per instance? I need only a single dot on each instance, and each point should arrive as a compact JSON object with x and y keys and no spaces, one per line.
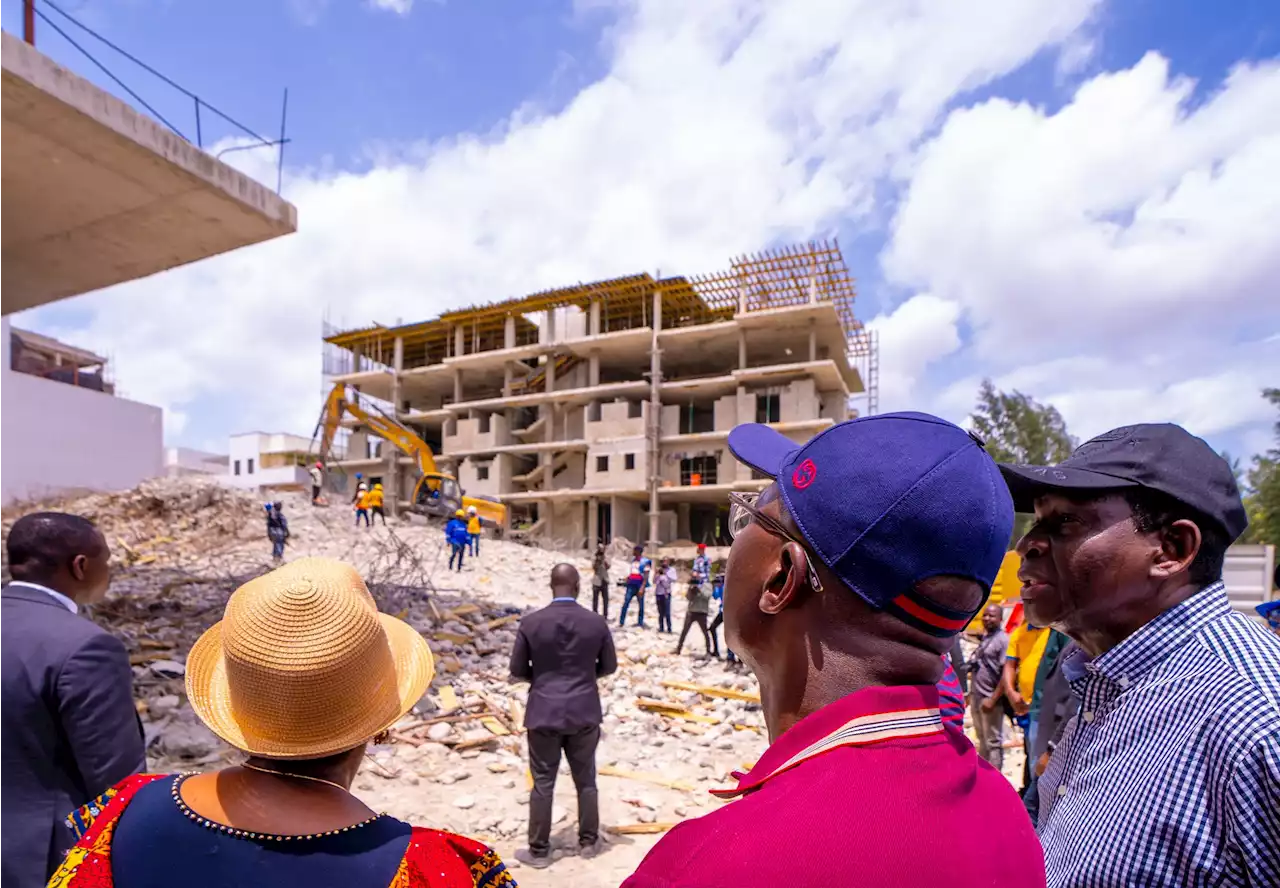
{"x":437,"y":495}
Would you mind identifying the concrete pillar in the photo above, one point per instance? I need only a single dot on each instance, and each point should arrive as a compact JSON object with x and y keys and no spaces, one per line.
{"x":506,"y":380}
{"x":391,"y":501}
{"x":357,"y":353}
{"x":551,"y":373}
{"x":682,"y":521}
{"x":459,"y":341}
{"x":813,"y":341}
{"x":742,"y":349}
{"x":509,"y":332}
{"x":593,"y":522}
{"x":593,"y":368}
{"x":457,"y":386}
{"x":594,"y":326}
{"x":613,"y":519}
{"x":654,"y":432}
{"x":549,"y":326}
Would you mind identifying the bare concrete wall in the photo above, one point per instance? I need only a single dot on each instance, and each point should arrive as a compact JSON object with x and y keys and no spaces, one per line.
{"x":615,"y":422}
{"x":616,"y":473}
{"x":57,"y":437}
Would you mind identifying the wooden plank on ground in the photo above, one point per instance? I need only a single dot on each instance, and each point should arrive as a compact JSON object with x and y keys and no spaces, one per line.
{"x":639,"y":829}
{"x":500,"y":621}
{"x":495,"y":726}
{"x":454,"y":637}
{"x":709,"y":691}
{"x":655,"y":779}
{"x":461,"y":611}
{"x":448,"y":699}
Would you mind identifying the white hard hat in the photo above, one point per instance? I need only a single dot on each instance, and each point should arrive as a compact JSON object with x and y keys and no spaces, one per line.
{"x":471,"y":509}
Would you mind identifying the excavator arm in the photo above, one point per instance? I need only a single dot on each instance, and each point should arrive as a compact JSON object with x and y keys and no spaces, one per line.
{"x":337,"y":404}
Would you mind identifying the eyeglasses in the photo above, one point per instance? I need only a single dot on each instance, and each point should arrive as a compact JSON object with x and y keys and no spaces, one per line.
{"x":744,"y":509}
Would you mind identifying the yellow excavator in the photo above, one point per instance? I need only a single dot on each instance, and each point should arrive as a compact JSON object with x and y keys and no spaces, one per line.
{"x":436,"y":494}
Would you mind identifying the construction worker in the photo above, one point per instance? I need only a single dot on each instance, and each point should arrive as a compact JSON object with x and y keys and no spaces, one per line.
{"x":362,"y":505}
{"x":473,"y":530}
{"x":374,"y":501}
{"x":455,"y":534}
{"x":317,"y":482}
{"x":361,"y":487}
{"x":277,"y":529}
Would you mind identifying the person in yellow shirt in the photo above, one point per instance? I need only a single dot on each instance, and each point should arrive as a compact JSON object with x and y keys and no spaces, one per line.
{"x":1022,"y":660}
{"x":373,"y":502}
{"x":473,"y":530}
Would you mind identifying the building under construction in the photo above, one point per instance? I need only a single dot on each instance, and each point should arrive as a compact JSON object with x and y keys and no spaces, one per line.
{"x":602,"y":409}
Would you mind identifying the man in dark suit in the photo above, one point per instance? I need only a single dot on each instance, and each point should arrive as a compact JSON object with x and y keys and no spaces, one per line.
{"x":561,"y":650}
{"x":68,"y":727}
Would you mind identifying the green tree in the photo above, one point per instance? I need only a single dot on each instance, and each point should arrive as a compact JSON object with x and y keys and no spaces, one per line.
{"x":1262,"y":488}
{"x":1018,"y":429}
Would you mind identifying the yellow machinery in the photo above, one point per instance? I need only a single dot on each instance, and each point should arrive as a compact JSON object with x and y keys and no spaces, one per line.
{"x":1006,"y":591}
{"x":436,"y":494}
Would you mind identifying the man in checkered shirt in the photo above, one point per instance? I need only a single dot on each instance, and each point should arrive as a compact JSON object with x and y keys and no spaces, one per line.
{"x":1169,"y":774}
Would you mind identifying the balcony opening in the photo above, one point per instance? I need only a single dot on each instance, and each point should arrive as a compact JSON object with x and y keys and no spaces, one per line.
{"x":697,"y":471}
{"x":769,"y":408}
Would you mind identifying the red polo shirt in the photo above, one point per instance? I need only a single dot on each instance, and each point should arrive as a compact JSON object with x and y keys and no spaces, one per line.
{"x":869,"y":790}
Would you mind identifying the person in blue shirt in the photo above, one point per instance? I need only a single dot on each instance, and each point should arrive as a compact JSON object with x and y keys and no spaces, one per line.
{"x":637,"y":582}
{"x":455,"y":534}
{"x":277,"y":529}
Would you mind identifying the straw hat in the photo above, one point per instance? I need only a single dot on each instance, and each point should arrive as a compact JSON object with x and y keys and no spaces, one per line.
{"x":303,"y":665}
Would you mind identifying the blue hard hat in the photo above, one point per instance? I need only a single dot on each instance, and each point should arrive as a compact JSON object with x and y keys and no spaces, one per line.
{"x":358,"y":475}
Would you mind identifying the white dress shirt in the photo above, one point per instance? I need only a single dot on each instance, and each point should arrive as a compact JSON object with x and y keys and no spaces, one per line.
{"x":56,"y":596}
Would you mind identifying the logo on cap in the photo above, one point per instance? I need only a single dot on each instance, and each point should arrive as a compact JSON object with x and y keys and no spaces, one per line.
{"x":804,"y":475}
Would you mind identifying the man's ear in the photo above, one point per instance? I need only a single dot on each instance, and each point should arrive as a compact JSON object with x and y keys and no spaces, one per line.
{"x":78,"y":565}
{"x":787,"y":579}
{"x":1179,"y":545}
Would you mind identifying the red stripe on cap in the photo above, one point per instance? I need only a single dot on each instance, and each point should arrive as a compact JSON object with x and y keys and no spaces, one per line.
{"x":928,"y":616}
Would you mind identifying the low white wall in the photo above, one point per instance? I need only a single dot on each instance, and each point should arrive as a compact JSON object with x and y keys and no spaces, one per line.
{"x":56,"y":437}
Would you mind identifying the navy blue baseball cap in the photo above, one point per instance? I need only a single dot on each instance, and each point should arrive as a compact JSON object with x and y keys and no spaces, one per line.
{"x":887,"y":501}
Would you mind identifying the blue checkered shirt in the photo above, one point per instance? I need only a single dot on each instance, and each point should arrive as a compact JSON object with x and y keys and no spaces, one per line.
{"x":1169,"y":775}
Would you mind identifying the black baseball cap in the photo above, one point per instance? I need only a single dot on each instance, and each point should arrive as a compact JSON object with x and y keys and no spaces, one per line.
{"x":1156,"y":456}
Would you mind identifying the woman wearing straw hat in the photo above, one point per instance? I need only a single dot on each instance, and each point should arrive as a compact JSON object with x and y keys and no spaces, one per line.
{"x":300,"y":674}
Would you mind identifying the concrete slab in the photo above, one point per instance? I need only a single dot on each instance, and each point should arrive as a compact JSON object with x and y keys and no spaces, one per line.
{"x":96,"y":194}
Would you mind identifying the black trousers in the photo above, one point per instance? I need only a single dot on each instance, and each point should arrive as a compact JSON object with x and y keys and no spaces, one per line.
{"x":544,"y":760}
{"x":600,"y":595}
{"x":689,"y":620}
{"x":377,"y":511}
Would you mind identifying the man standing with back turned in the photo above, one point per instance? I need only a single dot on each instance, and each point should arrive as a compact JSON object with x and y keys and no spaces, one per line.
{"x":1170,"y":773}
{"x":68,"y":727}
{"x":848,"y":578}
{"x":561,"y":650}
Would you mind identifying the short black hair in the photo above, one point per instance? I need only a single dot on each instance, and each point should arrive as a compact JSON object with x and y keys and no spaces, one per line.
{"x":1154,"y":511}
{"x":46,"y":541}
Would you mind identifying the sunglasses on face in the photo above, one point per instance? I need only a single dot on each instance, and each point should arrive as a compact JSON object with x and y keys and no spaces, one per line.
{"x":744,"y":509}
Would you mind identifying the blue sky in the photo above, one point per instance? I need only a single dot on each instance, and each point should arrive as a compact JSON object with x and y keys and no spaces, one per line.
{"x":446,"y":100}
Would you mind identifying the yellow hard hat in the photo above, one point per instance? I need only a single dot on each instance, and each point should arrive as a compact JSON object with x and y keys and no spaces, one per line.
{"x":377,"y":487}
{"x":459,"y":514}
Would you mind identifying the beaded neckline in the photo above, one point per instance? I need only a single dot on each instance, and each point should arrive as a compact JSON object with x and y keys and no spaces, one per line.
{"x":249,"y":834}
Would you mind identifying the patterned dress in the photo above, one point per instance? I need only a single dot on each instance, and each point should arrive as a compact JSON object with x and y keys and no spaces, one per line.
{"x":431,"y":857}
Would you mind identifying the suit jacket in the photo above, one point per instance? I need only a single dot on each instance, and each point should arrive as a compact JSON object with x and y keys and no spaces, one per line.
{"x":561,"y":650}
{"x":1057,"y":704}
{"x":68,"y":728}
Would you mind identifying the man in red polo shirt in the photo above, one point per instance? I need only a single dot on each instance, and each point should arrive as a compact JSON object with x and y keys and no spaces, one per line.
{"x":848,"y":579}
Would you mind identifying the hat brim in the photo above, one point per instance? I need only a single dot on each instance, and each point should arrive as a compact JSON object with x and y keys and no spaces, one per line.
{"x":1267,"y":608}
{"x":764,"y":449}
{"x":210,"y":696}
{"x":1029,"y":483}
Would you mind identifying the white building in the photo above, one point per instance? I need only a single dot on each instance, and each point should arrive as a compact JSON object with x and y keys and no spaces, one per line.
{"x":268,"y":460}
{"x":182,"y":461}
{"x":64,"y":429}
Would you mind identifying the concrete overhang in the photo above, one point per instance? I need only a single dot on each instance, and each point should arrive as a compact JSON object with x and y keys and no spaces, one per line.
{"x":96,"y":194}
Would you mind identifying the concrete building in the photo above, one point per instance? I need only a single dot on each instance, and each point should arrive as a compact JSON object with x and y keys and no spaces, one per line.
{"x":180,"y":462}
{"x":602,"y":409}
{"x":63,"y":429}
{"x":268,"y":461}
{"x":96,"y":194}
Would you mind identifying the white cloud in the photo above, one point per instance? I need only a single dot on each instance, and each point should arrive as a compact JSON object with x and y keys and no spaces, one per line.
{"x":1108,"y":257}
{"x":720,"y":127}
{"x":399,"y":7}
{"x":916,"y":334}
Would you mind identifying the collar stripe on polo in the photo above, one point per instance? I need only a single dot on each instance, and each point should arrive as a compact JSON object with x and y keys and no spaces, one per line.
{"x":860,"y":731}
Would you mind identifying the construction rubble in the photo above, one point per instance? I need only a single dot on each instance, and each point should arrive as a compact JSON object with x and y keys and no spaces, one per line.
{"x":674,"y":727}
